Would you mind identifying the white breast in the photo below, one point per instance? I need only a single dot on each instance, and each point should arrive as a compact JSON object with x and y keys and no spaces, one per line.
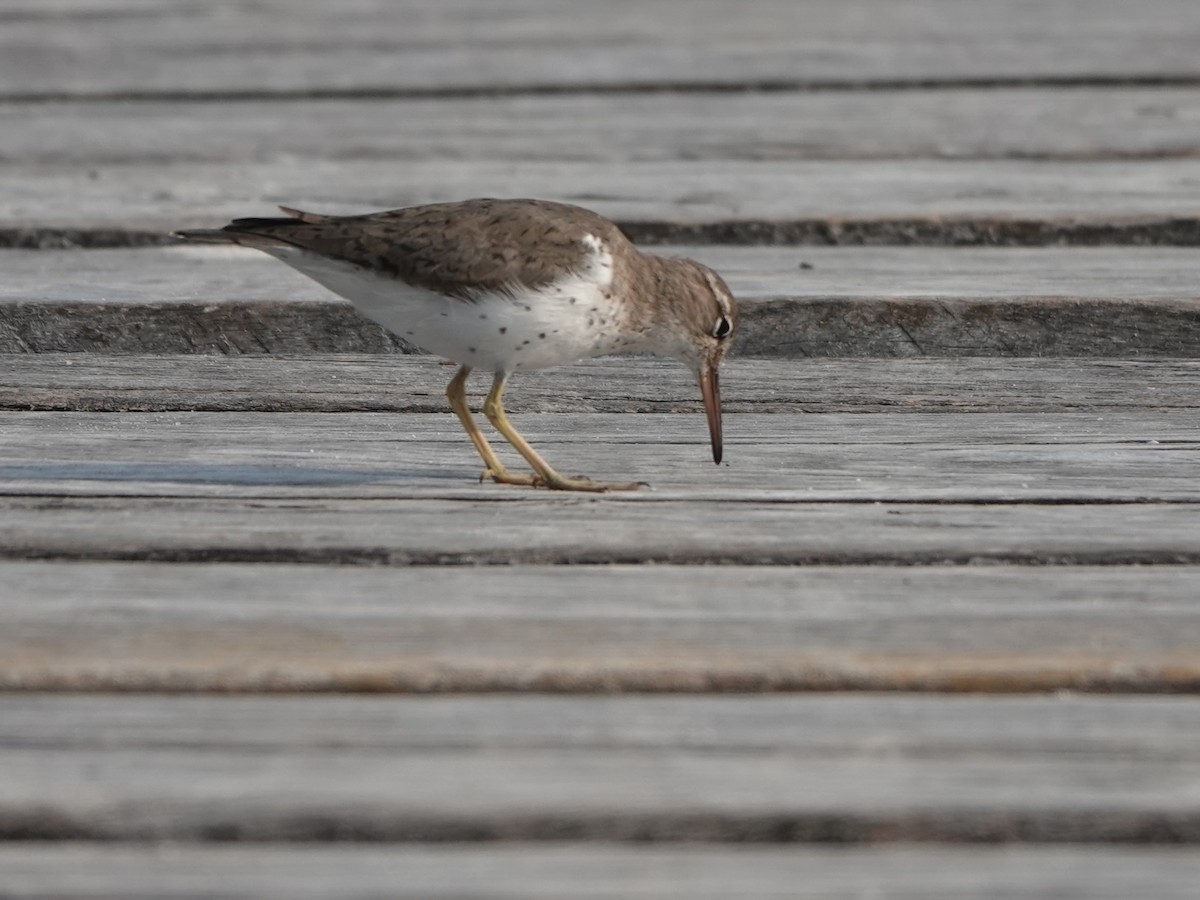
{"x":573,"y":318}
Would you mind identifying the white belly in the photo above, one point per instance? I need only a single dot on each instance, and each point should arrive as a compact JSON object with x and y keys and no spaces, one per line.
{"x":569,"y":320}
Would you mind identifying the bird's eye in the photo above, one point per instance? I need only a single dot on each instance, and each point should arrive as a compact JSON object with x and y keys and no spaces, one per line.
{"x":722,"y":328}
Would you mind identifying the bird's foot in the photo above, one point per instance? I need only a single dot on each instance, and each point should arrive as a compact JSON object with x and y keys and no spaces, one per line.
{"x":556,"y":482}
{"x":503,"y":476}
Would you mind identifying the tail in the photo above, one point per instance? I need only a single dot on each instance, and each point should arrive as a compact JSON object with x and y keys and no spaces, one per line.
{"x":251,"y":232}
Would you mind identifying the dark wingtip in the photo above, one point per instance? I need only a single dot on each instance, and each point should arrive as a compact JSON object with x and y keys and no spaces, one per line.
{"x":256,"y":223}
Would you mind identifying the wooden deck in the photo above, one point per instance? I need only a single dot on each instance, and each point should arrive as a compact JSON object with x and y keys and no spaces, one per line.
{"x":932,"y":629}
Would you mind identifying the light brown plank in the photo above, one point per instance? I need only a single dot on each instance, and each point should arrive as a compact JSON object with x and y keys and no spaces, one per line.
{"x":607,"y":771}
{"x":281,"y":45}
{"x":74,"y":871}
{"x":363,"y":383}
{"x":578,"y":630}
{"x":1127,"y":457}
{"x":1077,"y":124}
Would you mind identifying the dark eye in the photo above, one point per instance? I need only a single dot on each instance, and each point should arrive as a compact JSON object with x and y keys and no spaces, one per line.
{"x":723,"y":327}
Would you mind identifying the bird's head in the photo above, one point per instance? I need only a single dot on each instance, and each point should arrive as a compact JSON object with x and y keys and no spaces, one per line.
{"x":701,"y":318}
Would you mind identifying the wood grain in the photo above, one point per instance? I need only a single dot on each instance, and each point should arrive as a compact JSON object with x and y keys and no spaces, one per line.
{"x":82,"y":49}
{"x":74,"y":871}
{"x":413,"y":384}
{"x":537,"y":529}
{"x":755,"y":196}
{"x":1125,"y":457}
{"x":166,"y":781}
{"x":796,"y":303}
{"x":220,"y":275}
{"x":1071,"y":125}
{"x":581,"y":630}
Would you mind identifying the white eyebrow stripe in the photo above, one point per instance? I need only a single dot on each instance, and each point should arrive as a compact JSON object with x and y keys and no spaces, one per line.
{"x":723,"y":299}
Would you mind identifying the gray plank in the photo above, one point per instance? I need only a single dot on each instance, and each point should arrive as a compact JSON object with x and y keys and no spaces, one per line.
{"x":172,"y":786}
{"x":376,"y":383}
{"x":498,"y":526}
{"x":293,"y":46}
{"x":220,"y":275}
{"x":75,"y":871}
{"x":262,"y":627}
{"x":757,"y":196}
{"x":904,"y":725}
{"x":878,"y":302}
{"x":1076,"y":124}
{"x":1131,"y":457}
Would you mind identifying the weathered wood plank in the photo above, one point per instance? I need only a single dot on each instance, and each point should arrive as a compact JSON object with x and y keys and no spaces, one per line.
{"x":163,"y":784}
{"x":790,"y":329}
{"x":578,"y":630}
{"x":912,"y":458}
{"x":504,"y":526}
{"x":876,"y":302}
{"x":75,"y":871}
{"x":1076,"y":124}
{"x":763,"y":200}
{"x":374,"y":383}
{"x":219,"y":275}
{"x":81,"y":49}
{"x":905,"y":725}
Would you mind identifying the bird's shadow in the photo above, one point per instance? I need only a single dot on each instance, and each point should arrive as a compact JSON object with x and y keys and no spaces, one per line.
{"x":202,"y":473}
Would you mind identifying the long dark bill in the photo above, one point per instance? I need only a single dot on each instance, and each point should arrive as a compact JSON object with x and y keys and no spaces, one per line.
{"x":710,"y":390}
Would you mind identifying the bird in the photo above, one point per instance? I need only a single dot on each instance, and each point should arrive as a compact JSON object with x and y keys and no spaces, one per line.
{"x":508,"y":285}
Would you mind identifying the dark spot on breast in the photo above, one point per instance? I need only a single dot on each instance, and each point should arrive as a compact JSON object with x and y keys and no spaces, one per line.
{"x":483,"y":315}
{"x":470,"y":349}
{"x":524,"y":343}
{"x":528,"y":308}
{"x":504,"y":331}
{"x":542,"y":335}
{"x":574,"y":299}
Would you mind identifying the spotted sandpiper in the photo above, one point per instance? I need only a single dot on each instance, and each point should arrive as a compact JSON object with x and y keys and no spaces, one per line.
{"x":507,"y":285}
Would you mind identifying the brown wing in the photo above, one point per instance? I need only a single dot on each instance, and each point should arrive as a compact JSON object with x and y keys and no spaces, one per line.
{"x":458,"y":249}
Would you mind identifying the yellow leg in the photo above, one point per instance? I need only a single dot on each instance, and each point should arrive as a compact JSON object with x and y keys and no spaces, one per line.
{"x":456,"y":393}
{"x":493,"y":408}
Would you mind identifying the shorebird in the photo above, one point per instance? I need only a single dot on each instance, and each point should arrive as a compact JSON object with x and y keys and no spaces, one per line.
{"x":508,"y":285}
